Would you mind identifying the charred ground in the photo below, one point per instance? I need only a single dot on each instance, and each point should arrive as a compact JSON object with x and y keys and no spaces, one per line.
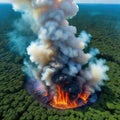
{"x":102,"y":22}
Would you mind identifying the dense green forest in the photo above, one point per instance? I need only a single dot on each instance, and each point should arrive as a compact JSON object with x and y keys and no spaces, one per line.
{"x":17,"y":104}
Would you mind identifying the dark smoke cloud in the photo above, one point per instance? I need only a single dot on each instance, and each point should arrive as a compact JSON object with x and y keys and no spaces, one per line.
{"x":56,"y":56}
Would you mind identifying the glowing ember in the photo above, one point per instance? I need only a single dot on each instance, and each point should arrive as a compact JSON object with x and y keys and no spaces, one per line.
{"x":60,"y":73}
{"x":84,"y":96}
{"x":62,"y":100}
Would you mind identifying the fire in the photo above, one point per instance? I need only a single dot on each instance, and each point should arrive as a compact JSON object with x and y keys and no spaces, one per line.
{"x":62,"y":100}
{"x":84,"y":96}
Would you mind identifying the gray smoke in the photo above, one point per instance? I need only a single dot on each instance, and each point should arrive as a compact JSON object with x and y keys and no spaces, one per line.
{"x":57,"y":56}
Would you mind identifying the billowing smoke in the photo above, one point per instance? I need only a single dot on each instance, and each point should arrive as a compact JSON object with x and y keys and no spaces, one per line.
{"x":59,"y":72}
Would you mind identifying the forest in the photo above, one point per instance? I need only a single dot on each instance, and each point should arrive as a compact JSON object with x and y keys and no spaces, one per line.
{"x":17,"y":104}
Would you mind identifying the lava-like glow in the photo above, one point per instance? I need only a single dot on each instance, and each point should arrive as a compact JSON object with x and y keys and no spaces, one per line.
{"x":84,"y":96}
{"x":62,"y":100}
{"x":60,"y":72}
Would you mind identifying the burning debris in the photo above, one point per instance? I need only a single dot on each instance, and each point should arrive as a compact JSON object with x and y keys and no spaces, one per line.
{"x":55,"y":60}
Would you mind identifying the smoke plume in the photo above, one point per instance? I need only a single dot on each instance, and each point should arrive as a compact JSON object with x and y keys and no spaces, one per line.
{"x":55,"y":63}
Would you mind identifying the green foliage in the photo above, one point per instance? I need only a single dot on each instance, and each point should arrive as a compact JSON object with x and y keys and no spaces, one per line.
{"x":16,"y":104}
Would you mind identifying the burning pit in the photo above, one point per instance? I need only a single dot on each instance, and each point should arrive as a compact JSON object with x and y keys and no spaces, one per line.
{"x":59,"y":72}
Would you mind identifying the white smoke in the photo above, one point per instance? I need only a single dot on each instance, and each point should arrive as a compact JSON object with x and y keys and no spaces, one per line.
{"x":41,"y":54}
{"x":57,"y":46}
{"x":95,"y":75}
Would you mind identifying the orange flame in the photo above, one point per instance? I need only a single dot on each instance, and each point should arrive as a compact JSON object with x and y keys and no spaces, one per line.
{"x":62,"y":100}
